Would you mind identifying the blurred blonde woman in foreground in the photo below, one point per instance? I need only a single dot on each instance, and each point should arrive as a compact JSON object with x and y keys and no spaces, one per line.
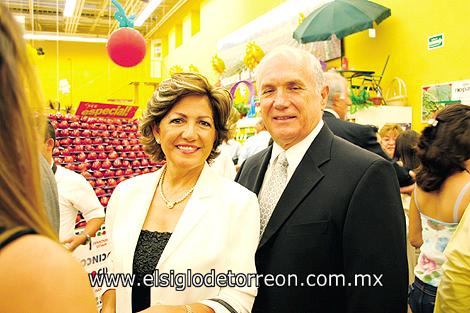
{"x":38,"y":275}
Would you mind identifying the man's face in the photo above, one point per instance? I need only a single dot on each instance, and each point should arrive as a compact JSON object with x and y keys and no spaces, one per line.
{"x":290,"y":105}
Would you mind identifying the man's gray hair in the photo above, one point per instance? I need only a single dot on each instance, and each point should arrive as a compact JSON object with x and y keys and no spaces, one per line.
{"x":336,"y":84}
{"x":309,"y":59}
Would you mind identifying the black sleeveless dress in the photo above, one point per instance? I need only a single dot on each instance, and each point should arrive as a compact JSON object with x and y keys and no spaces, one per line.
{"x":148,"y":251}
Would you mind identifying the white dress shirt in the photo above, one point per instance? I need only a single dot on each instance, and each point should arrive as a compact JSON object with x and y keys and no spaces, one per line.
{"x":294,"y":154}
{"x":75,"y":194}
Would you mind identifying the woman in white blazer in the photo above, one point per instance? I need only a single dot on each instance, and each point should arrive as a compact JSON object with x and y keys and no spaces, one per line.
{"x":183,"y":225}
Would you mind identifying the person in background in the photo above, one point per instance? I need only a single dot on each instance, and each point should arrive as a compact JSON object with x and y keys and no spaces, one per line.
{"x":38,"y":274}
{"x":255,"y":143}
{"x":327,"y":206}
{"x":228,"y":150}
{"x":232,"y":144}
{"x":364,"y":136}
{"x":406,"y":157}
{"x":49,"y":192}
{"x":184,"y":216}
{"x":405,"y":150}
{"x":453,"y":294}
{"x":75,"y":194}
{"x":440,"y":198}
{"x":388,"y":135}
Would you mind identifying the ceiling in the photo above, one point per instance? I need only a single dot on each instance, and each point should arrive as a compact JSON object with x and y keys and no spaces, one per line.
{"x":91,"y":17}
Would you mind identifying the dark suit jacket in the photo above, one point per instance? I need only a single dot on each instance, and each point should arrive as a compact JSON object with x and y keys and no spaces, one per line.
{"x":340,"y":213}
{"x":365,"y":137}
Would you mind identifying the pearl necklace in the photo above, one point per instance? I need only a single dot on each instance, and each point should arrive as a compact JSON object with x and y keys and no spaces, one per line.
{"x":171,"y":204}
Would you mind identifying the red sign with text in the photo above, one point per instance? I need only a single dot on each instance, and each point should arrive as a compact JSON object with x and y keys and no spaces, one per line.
{"x":96,"y":109}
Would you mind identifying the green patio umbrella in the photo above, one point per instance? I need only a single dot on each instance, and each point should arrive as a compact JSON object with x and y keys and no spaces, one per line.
{"x":340,"y":17}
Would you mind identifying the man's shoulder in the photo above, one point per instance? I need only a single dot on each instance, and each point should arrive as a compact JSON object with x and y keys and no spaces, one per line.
{"x":345,"y":150}
{"x":65,"y":174}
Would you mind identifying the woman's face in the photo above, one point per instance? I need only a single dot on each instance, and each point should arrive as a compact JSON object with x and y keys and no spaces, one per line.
{"x":388,"y":143}
{"x":187,"y":133}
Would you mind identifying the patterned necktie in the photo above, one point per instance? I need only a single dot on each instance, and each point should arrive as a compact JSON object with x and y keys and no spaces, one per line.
{"x":272,"y":191}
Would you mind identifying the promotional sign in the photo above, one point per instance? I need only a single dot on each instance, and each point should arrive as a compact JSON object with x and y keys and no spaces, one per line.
{"x":107,"y":110}
{"x":94,"y":260}
{"x":436,"y":97}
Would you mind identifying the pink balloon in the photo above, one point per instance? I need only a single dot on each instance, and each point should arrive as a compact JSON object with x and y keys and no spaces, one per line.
{"x":126,"y":47}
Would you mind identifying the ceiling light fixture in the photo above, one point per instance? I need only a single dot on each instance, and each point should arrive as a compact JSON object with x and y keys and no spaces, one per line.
{"x":53,"y":37}
{"x":153,"y":4}
{"x":69,"y":7}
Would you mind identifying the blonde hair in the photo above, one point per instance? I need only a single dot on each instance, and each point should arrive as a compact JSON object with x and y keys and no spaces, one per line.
{"x":20,"y":98}
{"x":390,"y":129}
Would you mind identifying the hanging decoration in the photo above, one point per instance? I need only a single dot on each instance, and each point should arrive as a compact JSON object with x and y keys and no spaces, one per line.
{"x":193,"y":68}
{"x":248,"y":109}
{"x":126,"y":46}
{"x":218,"y":64}
{"x":176,"y":69}
{"x":34,"y":55}
{"x":253,"y":55}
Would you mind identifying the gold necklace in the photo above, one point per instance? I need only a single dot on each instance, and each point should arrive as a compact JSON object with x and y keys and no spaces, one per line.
{"x":171,"y":204}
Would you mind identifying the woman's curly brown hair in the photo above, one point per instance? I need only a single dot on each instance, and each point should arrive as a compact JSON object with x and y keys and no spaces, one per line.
{"x":170,"y":92}
{"x":444,"y":148}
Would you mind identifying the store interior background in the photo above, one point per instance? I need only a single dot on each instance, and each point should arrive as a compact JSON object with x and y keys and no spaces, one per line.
{"x":190,"y":37}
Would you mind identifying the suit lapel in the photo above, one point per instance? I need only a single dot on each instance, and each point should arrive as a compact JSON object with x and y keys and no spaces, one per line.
{"x":194,"y":211}
{"x":255,"y":174}
{"x":305,"y":178}
{"x":140,"y":205}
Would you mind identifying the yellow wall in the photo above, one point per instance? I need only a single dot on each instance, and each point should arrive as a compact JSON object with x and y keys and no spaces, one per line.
{"x":218,"y":18}
{"x":90,"y":72}
{"x":404,"y":36}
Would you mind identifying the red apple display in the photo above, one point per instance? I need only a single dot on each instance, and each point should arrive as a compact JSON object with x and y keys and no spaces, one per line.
{"x":97,"y":174}
{"x":86,"y":133}
{"x":99,"y":191}
{"x":69,"y":159}
{"x":80,"y":167}
{"x":131,"y":155}
{"x":119,"y":173}
{"x":99,"y":148}
{"x":102,"y":156}
{"x":126,"y":164}
{"x":117,"y":163}
{"x":96,"y":166}
{"x":92,"y":156}
{"x":128,"y":172}
{"x":100,"y":183}
{"x":144,"y":162}
{"x":77,"y":141}
{"x":135,"y":163}
{"x":75,"y":133}
{"x":112,"y":155}
{"x":106,"y":164}
{"x":111,"y":182}
{"x":108,"y":173}
{"x":86,"y":174}
{"x":138,"y":171}
{"x":121,"y":179}
{"x":104,"y":201}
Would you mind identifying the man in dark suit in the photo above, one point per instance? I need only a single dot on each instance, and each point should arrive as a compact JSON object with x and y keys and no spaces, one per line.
{"x":364,"y":136}
{"x":330,"y":211}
